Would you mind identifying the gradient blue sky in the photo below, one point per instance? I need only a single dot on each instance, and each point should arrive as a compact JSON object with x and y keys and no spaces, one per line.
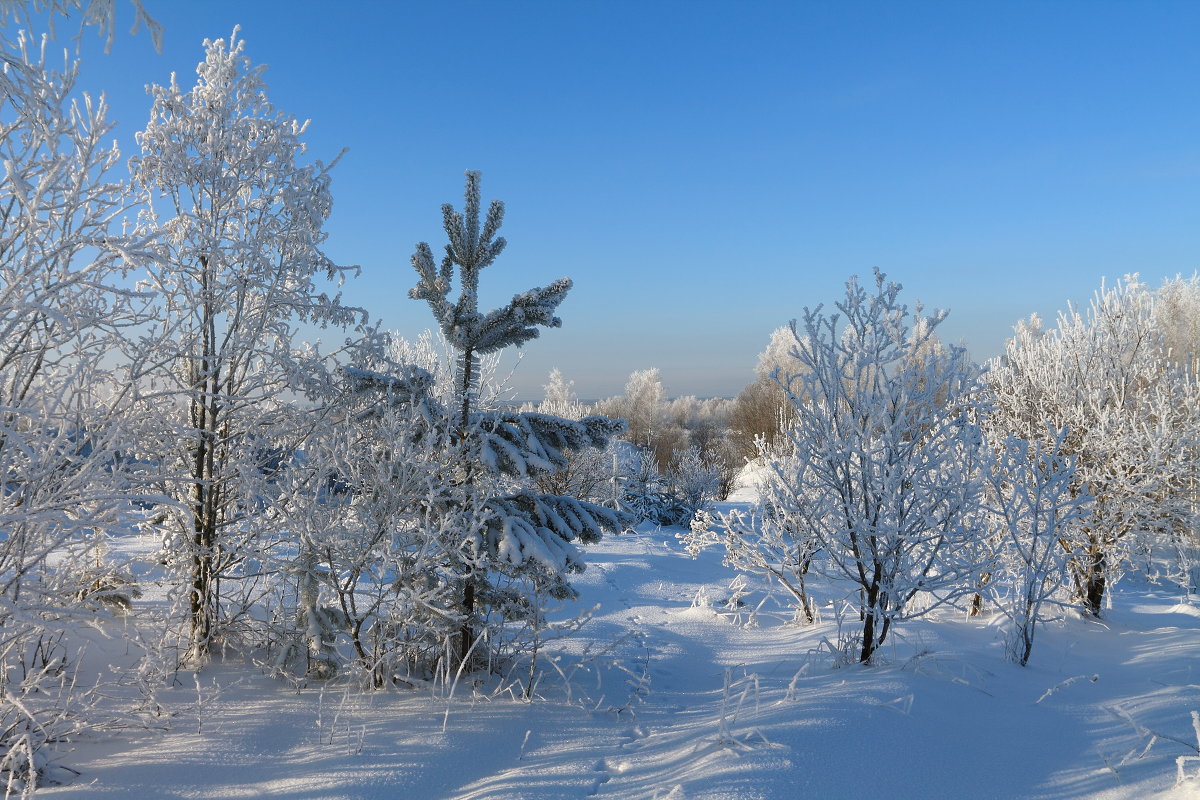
{"x":704,"y":170}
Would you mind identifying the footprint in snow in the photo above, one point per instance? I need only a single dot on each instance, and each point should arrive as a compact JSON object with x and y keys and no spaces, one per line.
{"x":633,"y":738}
{"x":600,"y":766}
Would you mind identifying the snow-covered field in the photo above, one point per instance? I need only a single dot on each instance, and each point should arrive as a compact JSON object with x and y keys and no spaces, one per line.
{"x":661,"y":696}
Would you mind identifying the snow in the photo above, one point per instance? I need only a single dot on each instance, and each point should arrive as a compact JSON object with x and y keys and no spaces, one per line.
{"x":745,"y":488}
{"x":661,"y":695}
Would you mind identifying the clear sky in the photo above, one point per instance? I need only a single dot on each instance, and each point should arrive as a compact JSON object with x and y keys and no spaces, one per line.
{"x":704,"y":170}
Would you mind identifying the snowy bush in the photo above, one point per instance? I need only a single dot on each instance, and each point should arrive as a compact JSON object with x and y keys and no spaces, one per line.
{"x":371,"y":505}
{"x":883,"y":478}
{"x":588,"y":474}
{"x":646,"y":494}
{"x":1031,"y":495}
{"x":1129,"y":408}
{"x":695,"y":480}
{"x":773,"y":541}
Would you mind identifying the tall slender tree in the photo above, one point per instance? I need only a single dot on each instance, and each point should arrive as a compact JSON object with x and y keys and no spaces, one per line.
{"x":64,"y":313}
{"x":240,"y":223}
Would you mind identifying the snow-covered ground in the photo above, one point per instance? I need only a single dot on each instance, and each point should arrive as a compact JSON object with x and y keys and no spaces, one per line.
{"x":664,"y":697}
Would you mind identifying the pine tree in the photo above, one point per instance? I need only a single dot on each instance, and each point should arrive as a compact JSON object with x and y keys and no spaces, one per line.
{"x":524,"y":534}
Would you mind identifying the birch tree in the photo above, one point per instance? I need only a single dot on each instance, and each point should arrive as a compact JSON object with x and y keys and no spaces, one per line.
{"x":239,"y":218}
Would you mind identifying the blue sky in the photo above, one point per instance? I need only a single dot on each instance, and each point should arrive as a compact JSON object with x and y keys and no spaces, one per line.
{"x":705,"y":170}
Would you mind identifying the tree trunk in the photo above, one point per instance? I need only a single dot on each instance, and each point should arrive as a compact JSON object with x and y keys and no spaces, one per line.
{"x":203,"y":540}
{"x":1092,"y":580}
{"x":977,"y":598}
{"x":868,"y":642}
{"x":1094,"y":599}
{"x":468,"y":379}
{"x":467,"y":634}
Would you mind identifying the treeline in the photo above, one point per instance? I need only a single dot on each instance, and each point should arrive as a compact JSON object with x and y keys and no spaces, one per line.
{"x":679,"y":453}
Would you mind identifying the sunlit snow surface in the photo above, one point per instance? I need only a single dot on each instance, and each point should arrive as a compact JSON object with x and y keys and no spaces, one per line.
{"x":662,"y":698}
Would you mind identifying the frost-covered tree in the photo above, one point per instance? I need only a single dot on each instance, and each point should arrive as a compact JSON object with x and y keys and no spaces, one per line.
{"x":1130,"y":411}
{"x":769,"y":541}
{"x":644,"y":493}
{"x":1177,"y":309}
{"x":1033,"y":496}
{"x":101,"y":14}
{"x":705,"y":421}
{"x":762,"y":410}
{"x":666,"y":427}
{"x":560,"y":398}
{"x":883,"y":476}
{"x":239,"y":219}
{"x":776,"y":357}
{"x":643,"y":405}
{"x":696,"y":480}
{"x":64,"y":317}
{"x":692,"y":482}
{"x":525,"y":534}
{"x":706,"y":427}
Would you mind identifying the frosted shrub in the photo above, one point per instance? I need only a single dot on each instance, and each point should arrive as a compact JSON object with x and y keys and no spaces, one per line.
{"x":768,"y":542}
{"x":587,"y":474}
{"x":366,"y":503}
{"x":646,"y":494}
{"x":1031,"y":495}
{"x":772,"y":541}
{"x":695,"y":480}
{"x":883,"y":477}
{"x":1128,"y":404}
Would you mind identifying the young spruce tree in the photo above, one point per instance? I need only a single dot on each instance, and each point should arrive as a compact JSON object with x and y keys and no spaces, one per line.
{"x":524,"y":535}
